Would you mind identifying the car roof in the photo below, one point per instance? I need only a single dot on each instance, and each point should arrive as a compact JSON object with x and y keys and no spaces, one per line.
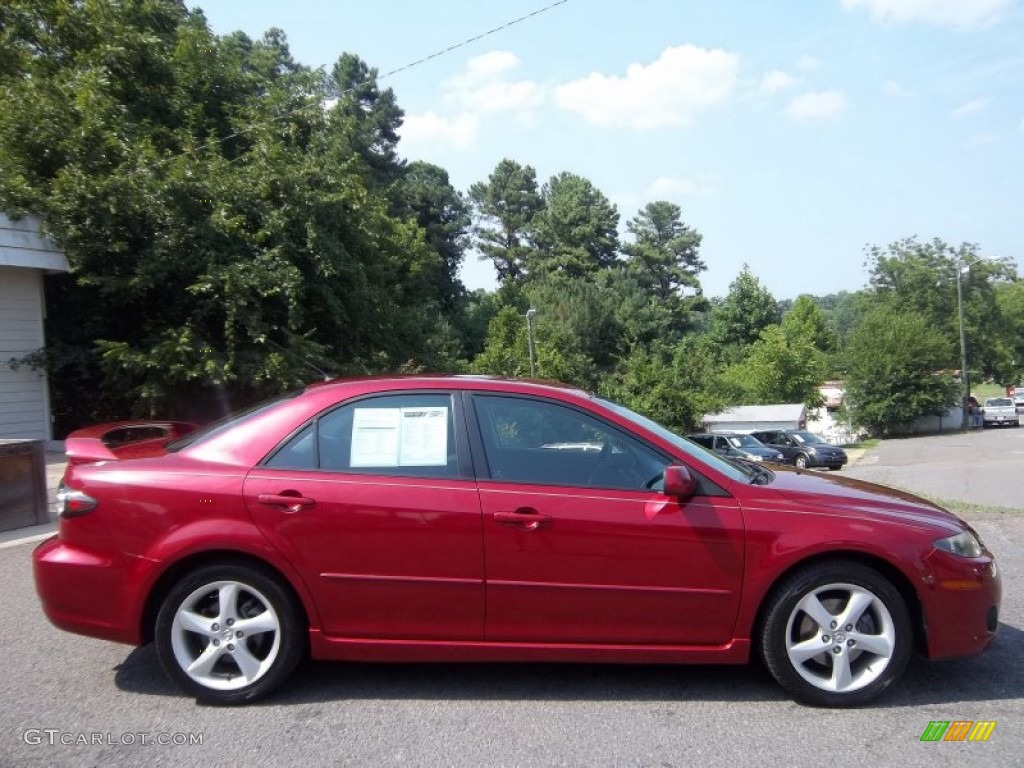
{"x":449,"y":381}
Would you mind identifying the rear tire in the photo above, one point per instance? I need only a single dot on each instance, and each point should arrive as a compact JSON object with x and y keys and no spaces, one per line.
{"x":836,"y":634}
{"x":229,"y":634}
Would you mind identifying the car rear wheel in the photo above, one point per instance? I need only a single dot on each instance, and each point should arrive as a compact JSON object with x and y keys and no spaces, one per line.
{"x":836,"y":635}
{"x":229,"y":634}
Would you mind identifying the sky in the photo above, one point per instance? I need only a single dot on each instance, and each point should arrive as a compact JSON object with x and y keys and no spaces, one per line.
{"x":791,"y":134}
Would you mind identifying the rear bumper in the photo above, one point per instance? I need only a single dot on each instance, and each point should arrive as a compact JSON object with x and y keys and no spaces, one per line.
{"x":87,"y":592}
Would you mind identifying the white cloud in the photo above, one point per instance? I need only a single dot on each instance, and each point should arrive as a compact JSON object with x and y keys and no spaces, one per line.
{"x":429,"y":128}
{"x":489,"y":65}
{"x":969,"y":107}
{"x":668,"y":188}
{"x":776,"y":81}
{"x":808,"y":62}
{"x":683,"y":82}
{"x":817,"y":105}
{"x":479,"y":88}
{"x":955,"y":13}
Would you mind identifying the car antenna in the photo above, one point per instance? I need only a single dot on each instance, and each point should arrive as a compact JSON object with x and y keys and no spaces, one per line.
{"x":326,"y":376}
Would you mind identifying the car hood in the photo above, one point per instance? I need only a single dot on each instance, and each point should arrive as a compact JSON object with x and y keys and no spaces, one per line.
{"x":832,"y":493}
{"x":766,"y":451}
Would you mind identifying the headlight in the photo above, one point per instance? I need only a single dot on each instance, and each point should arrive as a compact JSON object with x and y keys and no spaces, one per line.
{"x":964,"y":544}
{"x":754,"y":457}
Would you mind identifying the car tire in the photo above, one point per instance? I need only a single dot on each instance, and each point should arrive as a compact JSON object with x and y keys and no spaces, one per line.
{"x":801,"y":461}
{"x":836,"y":634}
{"x":229,"y":634}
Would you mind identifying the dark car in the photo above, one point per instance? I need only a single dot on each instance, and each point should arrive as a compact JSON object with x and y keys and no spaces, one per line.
{"x":802,"y":448}
{"x":476,"y":519}
{"x":737,"y":446}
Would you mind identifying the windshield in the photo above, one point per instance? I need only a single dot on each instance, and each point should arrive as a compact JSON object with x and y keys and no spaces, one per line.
{"x":994,"y":402}
{"x":807,"y":437}
{"x":738,"y":471}
{"x":743,"y":441}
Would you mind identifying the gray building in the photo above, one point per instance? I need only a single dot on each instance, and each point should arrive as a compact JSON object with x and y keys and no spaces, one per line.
{"x":749,"y":418}
{"x":25,"y":256}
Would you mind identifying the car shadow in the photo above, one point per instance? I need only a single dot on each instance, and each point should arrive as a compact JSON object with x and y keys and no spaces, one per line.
{"x":992,"y":676}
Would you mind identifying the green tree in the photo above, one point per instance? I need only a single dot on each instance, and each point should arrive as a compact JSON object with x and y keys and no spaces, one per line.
{"x":805,"y":322}
{"x":576,"y":232}
{"x":664,"y":260}
{"x":780,"y":367}
{"x":505,"y":207}
{"x":224,"y":230}
{"x":894,"y":360}
{"x":745,"y":311}
{"x":912,"y":276}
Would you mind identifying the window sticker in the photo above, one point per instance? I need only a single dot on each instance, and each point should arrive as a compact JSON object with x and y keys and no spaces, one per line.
{"x":424,"y":437}
{"x":415,"y":436}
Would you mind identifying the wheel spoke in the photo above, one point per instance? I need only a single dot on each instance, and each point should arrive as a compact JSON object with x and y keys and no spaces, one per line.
{"x":807,"y":650}
{"x":880,"y":645}
{"x":248,"y":664}
{"x":193,"y":622}
{"x":860,"y":600}
{"x":841,"y":674}
{"x":264,"y":622}
{"x":227,"y":597}
{"x":812,"y":606}
{"x":203,"y":665}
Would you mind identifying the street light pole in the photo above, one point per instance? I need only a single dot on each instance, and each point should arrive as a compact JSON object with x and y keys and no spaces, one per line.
{"x":965,"y":376}
{"x":530,"y":314}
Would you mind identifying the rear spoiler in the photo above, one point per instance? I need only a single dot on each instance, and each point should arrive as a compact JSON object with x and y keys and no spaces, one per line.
{"x":99,"y":442}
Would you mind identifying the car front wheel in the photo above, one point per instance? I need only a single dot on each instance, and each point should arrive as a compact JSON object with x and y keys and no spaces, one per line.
{"x":228,"y":634}
{"x":801,"y":461}
{"x":836,"y":635}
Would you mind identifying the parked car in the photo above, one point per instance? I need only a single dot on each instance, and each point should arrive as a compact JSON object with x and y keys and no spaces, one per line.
{"x":736,"y":446}
{"x":442,"y":519}
{"x":802,"y":448}
{"x":999,"y":411}
{"x":1018,"y":396}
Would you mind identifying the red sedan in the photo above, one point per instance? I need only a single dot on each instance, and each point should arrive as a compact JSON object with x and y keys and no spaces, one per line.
{"x":476,"y":519}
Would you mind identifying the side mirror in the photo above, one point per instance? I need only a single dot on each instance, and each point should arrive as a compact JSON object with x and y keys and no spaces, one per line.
{"x":679,"y":482}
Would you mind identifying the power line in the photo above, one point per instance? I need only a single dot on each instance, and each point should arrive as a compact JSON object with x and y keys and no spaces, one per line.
{"x":368,"y":81}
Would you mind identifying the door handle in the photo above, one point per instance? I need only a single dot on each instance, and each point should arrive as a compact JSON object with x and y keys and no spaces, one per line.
{"x":290,"y":500}
{"x":525,"y":519}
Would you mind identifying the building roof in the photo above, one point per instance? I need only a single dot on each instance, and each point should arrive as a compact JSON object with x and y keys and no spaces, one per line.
{"x":22,"y":245}
{"x":758,"y":413}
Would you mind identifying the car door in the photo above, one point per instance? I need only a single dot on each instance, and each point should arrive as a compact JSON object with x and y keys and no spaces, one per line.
{"x":579,"y":545}
{"x":375,"y":503}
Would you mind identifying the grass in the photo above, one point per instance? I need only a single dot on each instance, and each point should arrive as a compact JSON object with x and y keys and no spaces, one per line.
{"x":866,"y":443}
{"x":981,"y":391}
{"x":967,"y":507}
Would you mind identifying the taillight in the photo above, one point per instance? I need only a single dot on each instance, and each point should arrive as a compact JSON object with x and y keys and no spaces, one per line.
{"x":72,"y":503}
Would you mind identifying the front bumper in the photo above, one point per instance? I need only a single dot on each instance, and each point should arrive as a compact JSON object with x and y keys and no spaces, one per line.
{"x":961,"y":604}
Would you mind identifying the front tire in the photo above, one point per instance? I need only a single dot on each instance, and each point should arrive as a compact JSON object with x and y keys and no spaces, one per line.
{"x":836,"y":634}
{"x":229,"y":634}
{"x":800,"y":461}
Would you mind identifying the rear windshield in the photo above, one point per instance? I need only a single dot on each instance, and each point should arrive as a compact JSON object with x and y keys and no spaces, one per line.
{"x":226,"y":423}
{"x":995,"y":402}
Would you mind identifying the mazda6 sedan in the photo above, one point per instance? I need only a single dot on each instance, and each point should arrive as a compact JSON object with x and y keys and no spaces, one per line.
{"x":477,"y":519}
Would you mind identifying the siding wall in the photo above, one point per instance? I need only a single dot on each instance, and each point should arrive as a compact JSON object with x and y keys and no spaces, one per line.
{"x":24,"y":406}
